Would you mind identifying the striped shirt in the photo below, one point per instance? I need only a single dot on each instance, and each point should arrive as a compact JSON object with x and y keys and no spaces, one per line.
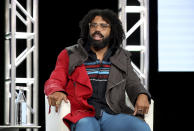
{"x":98,"y":72}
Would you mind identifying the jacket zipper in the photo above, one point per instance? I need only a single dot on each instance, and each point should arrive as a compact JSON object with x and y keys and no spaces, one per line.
{"x":118,"y":83}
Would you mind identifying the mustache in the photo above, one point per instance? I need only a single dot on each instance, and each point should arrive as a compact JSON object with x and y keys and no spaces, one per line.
{"x":97,"y":33}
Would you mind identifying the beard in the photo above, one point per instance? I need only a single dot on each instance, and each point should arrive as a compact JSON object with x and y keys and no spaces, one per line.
{"x":98,"y":44}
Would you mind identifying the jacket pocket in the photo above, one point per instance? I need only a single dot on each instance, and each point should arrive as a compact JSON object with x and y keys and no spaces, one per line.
{"x":116,"y":94}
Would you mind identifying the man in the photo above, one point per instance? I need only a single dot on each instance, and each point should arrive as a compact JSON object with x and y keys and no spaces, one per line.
{"x":94,"y":75}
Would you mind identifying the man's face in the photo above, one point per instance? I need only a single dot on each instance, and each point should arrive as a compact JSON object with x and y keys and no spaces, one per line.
{"x":99,"y":32}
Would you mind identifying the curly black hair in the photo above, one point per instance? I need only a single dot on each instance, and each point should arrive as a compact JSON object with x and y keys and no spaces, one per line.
{"x":117,"y":34}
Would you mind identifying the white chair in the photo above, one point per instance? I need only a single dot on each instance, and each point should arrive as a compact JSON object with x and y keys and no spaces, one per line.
{"x":149,"y":118}
{"x":54,"y":120}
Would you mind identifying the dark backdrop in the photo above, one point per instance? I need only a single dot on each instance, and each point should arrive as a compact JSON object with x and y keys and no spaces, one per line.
{"x":58,"y":28}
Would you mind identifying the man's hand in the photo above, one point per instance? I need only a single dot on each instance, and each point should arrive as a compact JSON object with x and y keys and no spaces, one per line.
{"x":55,"y":99}
{"x":142,"y":105}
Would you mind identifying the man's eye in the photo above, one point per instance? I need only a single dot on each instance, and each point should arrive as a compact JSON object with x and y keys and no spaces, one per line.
{"x":93,"y":25}
{"x":104,"y":25}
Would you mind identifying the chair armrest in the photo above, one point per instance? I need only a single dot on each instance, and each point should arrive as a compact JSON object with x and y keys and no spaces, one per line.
{"x":54,"y":120}
{"x":149,"y":118}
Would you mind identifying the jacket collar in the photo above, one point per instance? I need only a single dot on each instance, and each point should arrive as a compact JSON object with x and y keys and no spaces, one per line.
{"x":79,"y":55}
{"x":119,"y":59}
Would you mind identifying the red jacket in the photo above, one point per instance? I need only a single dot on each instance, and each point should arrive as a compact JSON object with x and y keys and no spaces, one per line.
{"x":77,"y":86}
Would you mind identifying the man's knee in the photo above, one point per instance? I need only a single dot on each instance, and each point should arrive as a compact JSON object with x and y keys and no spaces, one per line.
{"x":142,"y":126}
{"x":125,"y":122}
{"x":85,"y":121}
{"x":88,"y":123}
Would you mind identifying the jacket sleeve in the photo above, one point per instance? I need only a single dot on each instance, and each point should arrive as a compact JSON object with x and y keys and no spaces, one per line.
{"x":133,"y":85}
{"x":58,"y":78}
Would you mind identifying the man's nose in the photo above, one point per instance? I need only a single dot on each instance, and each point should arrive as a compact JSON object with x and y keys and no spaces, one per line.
{"x":98,"y":28}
